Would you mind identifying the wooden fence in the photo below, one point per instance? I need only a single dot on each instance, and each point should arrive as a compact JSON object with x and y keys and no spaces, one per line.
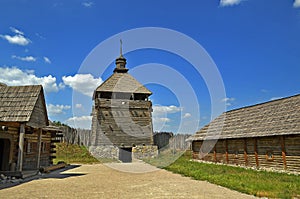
{"x":163,"y":140}
{"x":167,"y":140}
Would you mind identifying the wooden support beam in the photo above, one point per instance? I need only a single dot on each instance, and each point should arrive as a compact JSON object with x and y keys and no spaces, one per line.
{"x":245,"y":152}
{"x":39,"y":147}
{"x":255,"y":152}
{"x":282,"y":141}
{"x":226,"y":151}
{"x":215,"y":153}
{"x":21,"y":147}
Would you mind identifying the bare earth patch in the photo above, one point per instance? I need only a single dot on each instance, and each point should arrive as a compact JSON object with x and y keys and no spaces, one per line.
{"x":102,"y":181}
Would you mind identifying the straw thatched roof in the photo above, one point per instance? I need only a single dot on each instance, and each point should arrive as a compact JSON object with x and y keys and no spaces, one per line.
{"x":17,"y":103}
{"x":278,"y":117}
{"x":123,"y":83}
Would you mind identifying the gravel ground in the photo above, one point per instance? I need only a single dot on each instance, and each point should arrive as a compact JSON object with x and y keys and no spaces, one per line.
{"x":117,"y":180}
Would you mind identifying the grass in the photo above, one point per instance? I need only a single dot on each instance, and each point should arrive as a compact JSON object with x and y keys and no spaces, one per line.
{"x":258,"y":183}
{"x":69,"y":153}
{"x":165,"y":158}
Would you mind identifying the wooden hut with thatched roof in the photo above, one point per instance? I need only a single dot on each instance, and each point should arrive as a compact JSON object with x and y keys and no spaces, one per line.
{"x":265,"y":135}
{"x":122,"y":121}
{"x":26,"y":140}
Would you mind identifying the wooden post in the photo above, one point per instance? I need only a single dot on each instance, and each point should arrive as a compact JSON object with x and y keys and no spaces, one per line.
{"x":21,"y":147}
{"x":245,"y":151}
{"x":226,"y":152}
{"x":215,"y":153}
{"x":283,"y":151}
{"x":39,"y":148}
{"x":255,"y":152}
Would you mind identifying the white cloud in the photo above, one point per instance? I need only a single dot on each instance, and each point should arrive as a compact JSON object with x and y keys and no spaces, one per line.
{"x":47,"y":60}
{"x":78,"y":105}
{"x":224,"y":3}
{"x":83,"y":83}
{"x":161,"y":119}
{"x":296,"y":4}
{"x":275,"y":98}
{"x":57,"y":109}
{"x":159,"y":123}
{"x":228,"y":100}
{"x":160,"y":116}
{"x":61,"y":85}
{"x":15,"y":77}
{"x":88,"y":4}
{"x":187,"y":115}
{"x":159,"y":110}
{"x":39,"y":36}
{"x":83,"y":122}
{"x":14,"y":30}
{"x":16,"y":39}
{"x":264,"y":90}
{"x":27,"y":58}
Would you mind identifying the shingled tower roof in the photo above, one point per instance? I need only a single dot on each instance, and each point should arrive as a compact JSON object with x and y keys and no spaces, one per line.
{"x":121,"y":81}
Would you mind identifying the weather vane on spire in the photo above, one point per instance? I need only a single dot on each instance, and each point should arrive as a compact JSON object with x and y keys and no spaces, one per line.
{"x":121,"y":54}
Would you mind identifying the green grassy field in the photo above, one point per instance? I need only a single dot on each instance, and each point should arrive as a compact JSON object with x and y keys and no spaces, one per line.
{"x":69,"y":153}
{"x":258,"y":183}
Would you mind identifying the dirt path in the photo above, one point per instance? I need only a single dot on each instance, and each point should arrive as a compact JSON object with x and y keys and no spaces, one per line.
{"x":101,"y":181}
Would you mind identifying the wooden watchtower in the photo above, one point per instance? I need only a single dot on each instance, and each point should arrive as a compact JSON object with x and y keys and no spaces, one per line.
{"x":122,"y":114}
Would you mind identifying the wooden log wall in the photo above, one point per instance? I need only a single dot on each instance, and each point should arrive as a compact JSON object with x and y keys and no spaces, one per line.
{"x":39,"y":114}
{"x":221,"y":151}
{"x":269,"y":152}
{"x":31,"y":155}
{"x":12,"y":134}
{"x":273,"y":152}
{"x":123,"y":122}
{"x":178,"y":142}
{"x":236,"y":151}
{"x":250,"y":146}
{"x":161,"y":139}
{"x":292,"y":148}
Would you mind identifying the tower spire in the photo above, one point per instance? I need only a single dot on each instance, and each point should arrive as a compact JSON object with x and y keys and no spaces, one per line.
{"x":121,"y":53}
{"x":121,"y":62}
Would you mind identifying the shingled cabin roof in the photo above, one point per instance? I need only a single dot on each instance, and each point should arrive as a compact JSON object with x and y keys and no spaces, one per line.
{"x":278,"y":117}
{"x":17,"y":103}
{"x":124,"y":83}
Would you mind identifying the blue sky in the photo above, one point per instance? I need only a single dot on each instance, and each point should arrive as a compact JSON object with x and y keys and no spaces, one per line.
{"x":254,"y":44}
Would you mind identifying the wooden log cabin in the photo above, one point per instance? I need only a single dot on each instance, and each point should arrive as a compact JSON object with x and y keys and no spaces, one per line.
{"x":26,"y":140}
{"x":264,"y":136}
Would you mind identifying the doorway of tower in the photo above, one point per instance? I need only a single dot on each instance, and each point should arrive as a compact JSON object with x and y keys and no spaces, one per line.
{"x":4,"y":154}
{"x":125,"y":154}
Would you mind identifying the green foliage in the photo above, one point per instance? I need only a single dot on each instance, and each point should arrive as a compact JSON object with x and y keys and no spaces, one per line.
{"x":58,"y":123}
{"x":258,"y":183}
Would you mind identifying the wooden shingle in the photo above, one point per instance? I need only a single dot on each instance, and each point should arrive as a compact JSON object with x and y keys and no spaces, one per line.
{"x":17,"y":103}
{"x":278,"y":117}
{"x":123,"y":83}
